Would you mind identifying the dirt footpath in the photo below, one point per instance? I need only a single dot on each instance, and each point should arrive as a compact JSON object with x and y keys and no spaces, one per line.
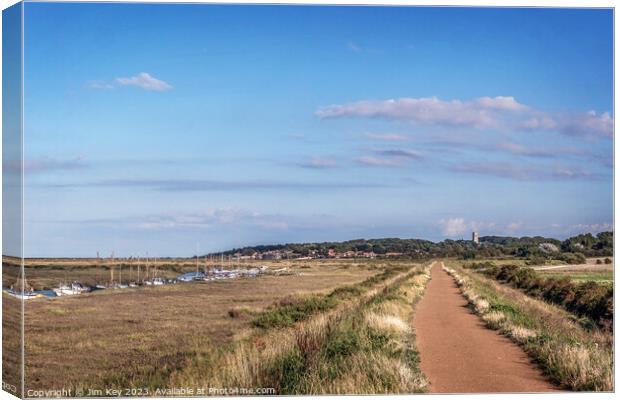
{"x":459,"y":354}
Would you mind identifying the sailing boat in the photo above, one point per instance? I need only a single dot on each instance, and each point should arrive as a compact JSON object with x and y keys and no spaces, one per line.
{"x":133,"y":283}
{"x":121,"y":285}
{"x":99,"y":284}
{"x":21,"y":289}
{"x":157,"y":280}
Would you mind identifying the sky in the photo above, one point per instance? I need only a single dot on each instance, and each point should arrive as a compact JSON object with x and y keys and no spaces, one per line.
{"x":167,"y":128}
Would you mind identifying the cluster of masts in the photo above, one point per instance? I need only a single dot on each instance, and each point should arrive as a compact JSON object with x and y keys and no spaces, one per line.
{"x":146,"y":273}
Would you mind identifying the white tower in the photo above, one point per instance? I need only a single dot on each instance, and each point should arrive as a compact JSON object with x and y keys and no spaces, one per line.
{"x":475,"y":238}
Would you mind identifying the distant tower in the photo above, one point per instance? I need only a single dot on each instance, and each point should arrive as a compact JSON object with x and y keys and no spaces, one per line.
{"x":475,"y":238}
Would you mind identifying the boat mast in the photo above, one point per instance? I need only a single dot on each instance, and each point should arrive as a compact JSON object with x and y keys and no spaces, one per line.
{"x":112,"y":270}
{"x":98,"y":268}
{"x":196,"y":259}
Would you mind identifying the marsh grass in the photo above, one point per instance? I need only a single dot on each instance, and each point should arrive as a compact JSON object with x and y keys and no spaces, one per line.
{"x":141,"y":337}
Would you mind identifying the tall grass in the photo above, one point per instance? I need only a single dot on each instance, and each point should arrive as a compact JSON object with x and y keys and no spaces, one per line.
{"x":290,"y":310}
{"x":576,"y":358}
{"x":362,"y":345}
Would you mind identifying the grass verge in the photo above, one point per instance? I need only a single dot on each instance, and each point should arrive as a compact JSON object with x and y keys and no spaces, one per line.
{"x":575,"y":358}
{"x":589,"y":299}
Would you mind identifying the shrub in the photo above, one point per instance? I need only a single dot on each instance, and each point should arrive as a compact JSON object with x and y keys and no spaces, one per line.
{"x":607,"y":260}
{"x":573,"y":258}
{"x":292,"y":309}
{"x":480,"y":265}
{"x":536,"y":260}
{"x":598,"y":261}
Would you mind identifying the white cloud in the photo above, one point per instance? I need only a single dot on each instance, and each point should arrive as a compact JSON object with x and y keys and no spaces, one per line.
{"x":145,"y":81}
{"x":478,"y":113}
{"x":453,"y":226}
{"x":514,"y":227}
{"x":500,"y":113}
{"x":499,"y":103}
{"x":590,"y":122}
{"x":460,"y":227}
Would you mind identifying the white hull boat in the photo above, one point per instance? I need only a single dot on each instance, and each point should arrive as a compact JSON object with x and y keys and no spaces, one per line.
{"x":72,"y":290}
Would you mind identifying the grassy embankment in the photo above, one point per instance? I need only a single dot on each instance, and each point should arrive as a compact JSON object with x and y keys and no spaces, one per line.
{"x":573,"y":356}
{"x":356,"y":339}
{"x":592,"y":301}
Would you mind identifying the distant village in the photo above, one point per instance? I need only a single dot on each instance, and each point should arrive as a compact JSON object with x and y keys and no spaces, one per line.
{"x":313,"y":254}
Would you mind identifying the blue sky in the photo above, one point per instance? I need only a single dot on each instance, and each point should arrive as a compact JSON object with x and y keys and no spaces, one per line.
{"x":159,"y":127}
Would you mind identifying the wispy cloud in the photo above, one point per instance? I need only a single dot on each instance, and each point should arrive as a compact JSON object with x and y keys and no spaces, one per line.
{"x":186,"y":185}
{"x":400,"y":153}
{"x":145,"y":81}
{"x":390,"y":157}
{"x":202,"y":219}
{"x":353,"y":47}
{"x":43,"y":164}
{"x":462,"y":227}
{"x":573,"y":173}
{"x":388,"y":137}
{"x":459,"y":226}
{"x":593,"y":228}
{"x":100,"y":85}
{"x":319,"y":163}
{"x":370,"y":161}
{"x":297,"y":136}
{"x":522,"y":150}
{"x":500,"y":113}
{"x":524,"y":172}
{"x":514,"y":227}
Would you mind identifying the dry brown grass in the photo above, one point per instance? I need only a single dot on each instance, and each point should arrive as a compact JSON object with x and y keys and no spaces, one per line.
{"x":11,"y":342}
{"x":271,"y":359}
{"x":494,"y":319}
{"x":144,"y":335}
